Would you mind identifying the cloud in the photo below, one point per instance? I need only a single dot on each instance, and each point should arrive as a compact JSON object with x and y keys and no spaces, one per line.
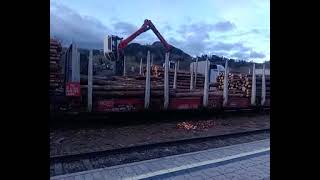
{"x":195,"y":38}
{"x":235,"y":50}
{"x":255,"y":31}
{"x":248,"y":55}
{"x":231,"y":50}
{"x":168,"y":27}
{"x":124,"y":28}
{"x":229,"y":46}
{"x":224,"y":26}
{"x":68,"y":25}
{"x":254,"y":54}
{"x":252,"y":31}
{"x":192,"y":47}
{"x":199,"y":28}
{"x":240,"y":55}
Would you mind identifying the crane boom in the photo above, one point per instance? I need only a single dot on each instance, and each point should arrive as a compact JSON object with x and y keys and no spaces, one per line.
{"x":114,"y":45}
{"x":145,"y":27}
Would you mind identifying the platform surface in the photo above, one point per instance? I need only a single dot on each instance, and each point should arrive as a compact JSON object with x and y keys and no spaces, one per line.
{"x":242,"y":161}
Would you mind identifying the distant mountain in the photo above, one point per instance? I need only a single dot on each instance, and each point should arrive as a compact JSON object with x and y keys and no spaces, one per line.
{"x":135,"y":51}
{"x":158,"y":51}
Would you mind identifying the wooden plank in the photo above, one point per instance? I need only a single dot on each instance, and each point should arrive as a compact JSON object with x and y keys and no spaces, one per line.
{"x":124,"y":66}
{"x":140,"y":72}
{"x":139,"y":87}
{"x":175,"y":76}
{"x":122,"y":94}
{"x":178,"y":66}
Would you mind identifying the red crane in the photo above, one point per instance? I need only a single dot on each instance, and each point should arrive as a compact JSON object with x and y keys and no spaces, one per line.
{"x":145,"y":27}
{"x":115,"y":45}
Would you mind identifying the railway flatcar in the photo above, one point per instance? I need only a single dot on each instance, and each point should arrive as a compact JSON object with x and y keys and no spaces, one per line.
{"x":159,"y":88}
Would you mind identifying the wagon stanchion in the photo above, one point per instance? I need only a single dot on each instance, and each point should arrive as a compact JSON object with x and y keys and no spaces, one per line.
{"x":90,"y":82}
{"x":195,"y":75}
{"x":175,"y":76}
{"x":206,"y":84}
{"x":263,"y":93}
{"x":166,"y":81}
{"x":124,"y":66}
{"x":151,"y":59}
{"x":191,"y":76}
{"x":253,"y":90}
{"x":147,"y":88}
{"x":225,"y":85}
{"x":75,"y":64}
{"x":140,"y":70}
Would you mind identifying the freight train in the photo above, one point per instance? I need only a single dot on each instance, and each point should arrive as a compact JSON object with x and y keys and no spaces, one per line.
{"x":151,"y":90}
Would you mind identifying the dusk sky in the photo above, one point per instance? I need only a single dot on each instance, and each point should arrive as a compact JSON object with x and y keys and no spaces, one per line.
{"x":238,"y":29}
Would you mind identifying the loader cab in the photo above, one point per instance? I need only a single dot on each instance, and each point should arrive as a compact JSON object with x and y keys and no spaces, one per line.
{"x":171,"y":64}
{"x":214,"y":72}
{"x":110,"y":47}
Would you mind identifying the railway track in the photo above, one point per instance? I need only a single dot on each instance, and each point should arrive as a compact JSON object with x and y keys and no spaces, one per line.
{"x":81,"y":162}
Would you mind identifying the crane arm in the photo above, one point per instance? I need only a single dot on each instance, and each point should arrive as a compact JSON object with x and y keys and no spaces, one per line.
{"x":145,"y":27}
{"x":157,"y":33}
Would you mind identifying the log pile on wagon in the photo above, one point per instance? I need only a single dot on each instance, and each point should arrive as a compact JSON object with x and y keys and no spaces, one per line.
{"x":241,"y":84}
{"x":259,"y":86}
{"x":121,"y":86}
{"x":134,"y":86}
{"x":183,"y":77}
{"x":237,"y":83}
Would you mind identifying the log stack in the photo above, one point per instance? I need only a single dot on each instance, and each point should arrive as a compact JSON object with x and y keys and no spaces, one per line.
{"x":259,"y":86}
{"x":237,"y":83}
{"x":183,"y":77}
{"x":122,"y":87}
{"x":56,"y":76}
{"x":134,"y":86}
{"x":241,"y":84}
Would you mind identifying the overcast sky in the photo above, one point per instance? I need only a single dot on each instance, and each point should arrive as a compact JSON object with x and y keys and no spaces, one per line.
{"x":237,"y":29}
